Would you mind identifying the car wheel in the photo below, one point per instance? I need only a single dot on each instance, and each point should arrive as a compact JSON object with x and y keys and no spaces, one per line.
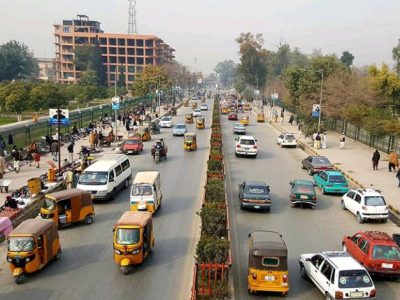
{"x":241,"y":206}
{"x":323,"y":191}
{"x":303,"y":272}
{"x":237,"y":155}
{"x":327,"y":297}
{"x":384,"y":220}
{"x":359,"y":218}
{"x":310,"y":172}
{"x":344,"y":248}
{"x":126,"y":185}
{"x":268,"y":209}
{"x":19,"y":279}
{"x":113,"y":194}
{"x":343,"y":205}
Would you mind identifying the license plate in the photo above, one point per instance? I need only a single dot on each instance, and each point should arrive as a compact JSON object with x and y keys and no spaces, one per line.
{"x":130,"y":152}
{"x":303,"y":197}
{"x":387,"y":266}
{"x":356,"y":294}
{"x":269,"y":278}
{"x":257,"y":206}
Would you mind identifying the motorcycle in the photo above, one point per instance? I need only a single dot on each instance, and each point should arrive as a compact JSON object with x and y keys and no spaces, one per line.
{"x":157,"y":157}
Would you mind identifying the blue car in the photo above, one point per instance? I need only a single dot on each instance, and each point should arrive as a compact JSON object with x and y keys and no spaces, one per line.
{"x":179,"y":129}
{"x":331,"y":182}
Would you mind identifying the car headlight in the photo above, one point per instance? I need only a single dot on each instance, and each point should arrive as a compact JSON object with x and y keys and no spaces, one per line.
{"x":116,"y":251}
{"x":28,"y":259}
{"x":9,"y":259}
{"x":136,"y":251}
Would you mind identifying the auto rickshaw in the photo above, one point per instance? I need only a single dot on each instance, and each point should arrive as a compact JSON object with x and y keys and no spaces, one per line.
{"x":68,"y":207}
{"x":200,"y":123}
{"x":144,"y":133}
{"x":189,"y":118}
{"x":190,"y":142}
{"x":225,"y":110}
{"x":186,"y":103}
{"x":31,"y":246}
{"x":268,"y":266}
{"x":244,"y":120}
{"x":133,"y":239}
{"x":260,"y":118}
{"x":194,"y":105}
{"x":246,"y":107}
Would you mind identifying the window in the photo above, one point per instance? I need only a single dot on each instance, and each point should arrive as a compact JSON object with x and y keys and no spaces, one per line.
{"x":149,"y":43}
{"x":386,"y":252}
{"x":364,"y":246}
{"x":66,"y":29}
{"x":131,"y":42}
{"x":103,"y":50}
{"x":118,"y":170}
{"x":131,"y":51}
{"x":350,"y":195}
{"x":149,"y":52}
{"x":111,"y":176}
{"x":354,"y":279}
{"x":357,"y":198}
{"x":323,"y":176}
{"x":121,"y":51}
{"x":326,"y":270}
{"x":337,"y":179}
{"x":149,"y":61}
{"x":112,"y":41}
{"x":93,"y":178}
{"x":121,"y":60}
{"x":121,"y":42}
{"x":112,"y":68}
{"x":317,"y":260}
{"x":113,"y":60}
{"x":131,"y":61}
{"x":125,"y":165}
{"x":375,"y":201}
{"x":270,"y":261}
{"x":131,"y":69}
{"x":139,"y":51}
{"x":112,"y":77}
{"x":139,"y":61}
{"x":126,"y":236}
{"x":131,"y":77}
{"x":356,"y":238}
{"x":17,"y":244}
{"x":139,"y":43}
{"x":112,"y":50}
{"x":103,"y":41}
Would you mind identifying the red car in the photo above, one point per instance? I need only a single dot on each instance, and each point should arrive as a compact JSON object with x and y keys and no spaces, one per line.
{"x":132,"y":146}
{"x":233,"y":116}
{"x":375,"y":250}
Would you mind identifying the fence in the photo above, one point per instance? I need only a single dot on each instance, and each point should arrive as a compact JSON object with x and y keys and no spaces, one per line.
{"x":25,"y":132}
{"x":211,"y":280}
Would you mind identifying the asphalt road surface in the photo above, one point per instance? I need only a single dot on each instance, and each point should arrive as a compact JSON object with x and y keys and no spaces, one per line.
{"x":87,"y":270}
{"x":304,"y":230}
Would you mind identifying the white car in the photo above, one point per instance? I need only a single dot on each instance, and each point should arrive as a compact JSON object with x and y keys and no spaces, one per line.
{"x":166,"y":122}
{"x":204,"y":107}
{"x":366,"y":204}
{"x":197,"y":112}
{"x":239,"y":128}
{"x":337,"y":275}
{"x":246,"y":145}
{"x":286,"y":140}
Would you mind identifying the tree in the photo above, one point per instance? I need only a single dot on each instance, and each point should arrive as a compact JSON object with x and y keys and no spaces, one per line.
{"x":152,"y":78}
{"x":121,"y":82}
{"x":396,"y":56}
{"x":88,"y":59}
{"x":89,"y":78}
{"x":17,"y":62}
{"x":47,"y":95}
{"x":226,"y":71}
{"x":347,"y":58}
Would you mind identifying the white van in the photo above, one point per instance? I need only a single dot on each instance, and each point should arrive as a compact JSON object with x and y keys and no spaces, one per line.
{"x":106,"y":177}
{"x":146,"y":191}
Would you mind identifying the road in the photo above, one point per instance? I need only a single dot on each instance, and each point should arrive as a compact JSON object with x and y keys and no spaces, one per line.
{"x":304,"y":230}
{"x":87,"y":269}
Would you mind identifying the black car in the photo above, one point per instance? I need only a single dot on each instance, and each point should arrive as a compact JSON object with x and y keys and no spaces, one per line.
{"x":316,"y":164}
{"x":254,"y":194}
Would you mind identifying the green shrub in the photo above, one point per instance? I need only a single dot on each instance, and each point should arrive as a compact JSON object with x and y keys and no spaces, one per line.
{"x":215,"y":165}
{"x":214,"y":190}
{"x":215,"y":151}
{"x":212,"y":250}
{"x":213,"y":219}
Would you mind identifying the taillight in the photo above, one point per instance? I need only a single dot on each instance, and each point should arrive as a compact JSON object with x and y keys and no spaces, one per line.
{"x":254,"y":275}
{"x":314,"y":197}
{"x":292,"y":196}
{"x":254,"y":147}
{"x":238,"y":146}
{"x":285,"y":278}
{"x":373,"y":293}
{"x":338,"y":295}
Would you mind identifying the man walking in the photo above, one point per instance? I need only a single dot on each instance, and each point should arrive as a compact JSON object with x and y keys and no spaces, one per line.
{"x":70,"y":149}
{"x":398,"y":177}
{"x":341,"y":141}
{"x":16,"y":158}
{"x":54,"y":150}
{"x":2,"y":166}
{"x":393,"y":161}
{"x":375,"y":160}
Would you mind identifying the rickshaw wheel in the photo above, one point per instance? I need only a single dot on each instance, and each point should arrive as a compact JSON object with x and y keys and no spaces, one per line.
{"x":125,"y":270}
{"x":20,"y":278}
{"x":251,"y":292}
{"x":284,"y":294}
{"x":88,"y":220}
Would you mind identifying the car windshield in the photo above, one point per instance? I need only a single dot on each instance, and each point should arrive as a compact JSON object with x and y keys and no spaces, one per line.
{"x":354,"y":279}
{"x":290,"y":137}
{"x":240,"y":125}
{"x":180,"y":126}
{"x":132,"y":142}
{"x":386,"y":252}
{"x":337,"y":179}
{"x":256,"y":189}
{"x":303,"y":188}
{"x":93,"y":178}
{"x":128,"y":236}
{"x":247,"y":142}
{"x":17,"y":244}
{"x":320,"y":161}
{"x":142,"y":190}
{"x":165,"y":119}
{"x":375,"y":201}
{"x":48,"y":204}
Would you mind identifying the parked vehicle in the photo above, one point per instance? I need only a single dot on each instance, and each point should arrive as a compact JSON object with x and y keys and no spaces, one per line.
{"x":239,"y":128}
{"x":200,"y":123}
{"x":286,"y":140}
{"x":166,"y":122}
{"x":179,"y":129}
{"x":68,"y":207}
{"x":133,"y":145}
{"x":316,"y":164}
{"x":146,"y":192}
{"x":367,"y":204}
{"x":337,"y":275}
{"x":246,"y":145}
{"x":133,"y":239}
{"x":232,"y":116}
{"x":106,"y":177}
{"x":260,"y":118}
{"x":31,"y":246}
{"x":197,"y":112}
{"x":302,"y":192}
{"x":190,"y":142}
{"x":255,"y":195}
{"x":268,"y":263}
{"x":331,"y":182}
{"x":376,"y":251}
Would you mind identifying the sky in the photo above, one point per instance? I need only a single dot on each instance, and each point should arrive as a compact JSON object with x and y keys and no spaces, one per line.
{"x":203,"y":32}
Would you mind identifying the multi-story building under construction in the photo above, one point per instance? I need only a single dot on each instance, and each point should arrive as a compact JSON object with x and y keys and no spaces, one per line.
{"x":127,"y":52}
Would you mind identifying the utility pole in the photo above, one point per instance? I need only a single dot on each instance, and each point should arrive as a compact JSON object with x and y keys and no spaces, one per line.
{"x":59,"y":135}
{"x":115,"y":95}
{"x":320,"y":101}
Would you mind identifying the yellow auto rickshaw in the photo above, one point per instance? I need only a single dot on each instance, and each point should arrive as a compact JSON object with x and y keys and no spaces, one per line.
{"x":31,"y":246}
{"x":190,"y":142}
{"x":260,"y":118}
{"x":268,"y":266}
{"x":200,"y":123}
{"x":186,"y":103}
{"x":225,"y":110}
{"x":246,"y":107}
{"x":194,"y":105}
{"x":189,"y":118}
{"x":68,"y":207}
{"x":144,"y":133}
{"x":244,"y":120}
{"x":133,"y":239}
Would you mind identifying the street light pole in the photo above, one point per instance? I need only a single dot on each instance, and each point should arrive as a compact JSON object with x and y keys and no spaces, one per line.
{"x":320,"y":101}
{"x":115,"y":95}
{"x":59,"y":135}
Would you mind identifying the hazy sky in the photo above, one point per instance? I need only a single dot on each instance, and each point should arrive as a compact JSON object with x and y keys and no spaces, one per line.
{"x":206,"y":29}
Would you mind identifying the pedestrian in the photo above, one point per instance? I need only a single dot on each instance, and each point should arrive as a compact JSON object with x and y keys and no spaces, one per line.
{"x":275,"y":113}
{"x":318,"y":141}
{"x":375,"y":159}
{"x":69,"y":178}
{"x":341,"y":141}
{"x":70,"y":149}
{"x":10,"y":139}
{"x":54,"y":150}
{"x":101,"y":137}
{"x":291,"y":119}
{"x":282,"y":114}
{"x":127,"y":124}
{"x":96,"y":139}
{"x":398,"y":177}
{"x":2,"y":146}
{"x":29,"y":157}
{"x":16,"y":158}
{"x":323,"y":140}
{"x":393,"y":161}
{"x":36,"y":158}
{"x":2,"y":166}
{"x":91,"y":139}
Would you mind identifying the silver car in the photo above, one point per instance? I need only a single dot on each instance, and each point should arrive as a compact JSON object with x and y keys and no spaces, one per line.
{"x":239,"y":128}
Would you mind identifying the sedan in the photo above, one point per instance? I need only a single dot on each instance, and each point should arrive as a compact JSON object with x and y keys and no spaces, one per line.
{"x":204,"y":107}
{"x":239,"y":128}
{"x":197,"y":112}
{"x":133,"y":145}
{"x":302,"y":192}
{"x":316,"y":164}
{"x":179,"y":129}
{"x":233,"y":116}
{"x":331,"y":182}
{"x":286,"y":140}
{"x":166,"y":122}
{"x":254,"y":194}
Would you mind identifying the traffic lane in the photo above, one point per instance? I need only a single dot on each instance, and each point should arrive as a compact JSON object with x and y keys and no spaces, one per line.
{"x":304,"y":230}
{"x":87,"y":250}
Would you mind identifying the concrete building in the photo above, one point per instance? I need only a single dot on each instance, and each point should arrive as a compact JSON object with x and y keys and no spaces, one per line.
{"x":129,"y":52}
{"x":46,"y":69}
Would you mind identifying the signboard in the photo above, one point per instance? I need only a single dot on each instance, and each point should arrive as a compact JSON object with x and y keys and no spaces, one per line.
{"x":115,"y":103}
{"x":58,"y":114}
{"x":316,"y":110}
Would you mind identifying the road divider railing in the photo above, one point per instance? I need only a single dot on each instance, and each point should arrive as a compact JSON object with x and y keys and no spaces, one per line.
{"x":211,"y":273}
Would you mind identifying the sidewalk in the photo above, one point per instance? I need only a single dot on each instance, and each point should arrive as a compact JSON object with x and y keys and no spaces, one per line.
{"x":355,"y":160}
